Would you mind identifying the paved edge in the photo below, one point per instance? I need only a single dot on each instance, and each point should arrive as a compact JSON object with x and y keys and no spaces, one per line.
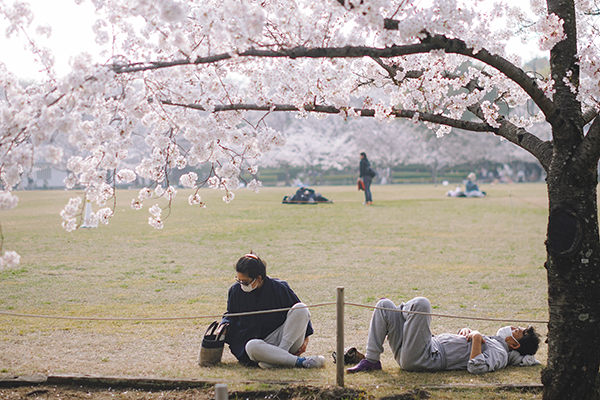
{"x":182,"y":384}
{"x":107,"y":381}
{"x":122,"y":382}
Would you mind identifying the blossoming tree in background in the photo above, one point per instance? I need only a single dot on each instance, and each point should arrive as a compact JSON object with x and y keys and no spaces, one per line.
{"x":188,"y":72}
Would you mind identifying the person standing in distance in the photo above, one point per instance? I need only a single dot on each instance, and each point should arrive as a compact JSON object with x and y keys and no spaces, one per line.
{"x":366,"y":175}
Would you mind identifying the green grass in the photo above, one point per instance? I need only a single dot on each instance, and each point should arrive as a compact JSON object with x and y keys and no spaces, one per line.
{"x":470,"y":257}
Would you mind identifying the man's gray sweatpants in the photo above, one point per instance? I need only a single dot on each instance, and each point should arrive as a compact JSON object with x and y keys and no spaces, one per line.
{"x":409,"y":335}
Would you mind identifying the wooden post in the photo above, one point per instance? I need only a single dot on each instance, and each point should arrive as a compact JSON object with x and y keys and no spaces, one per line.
{"x":340,"y":337}
{"x":221,"y":392}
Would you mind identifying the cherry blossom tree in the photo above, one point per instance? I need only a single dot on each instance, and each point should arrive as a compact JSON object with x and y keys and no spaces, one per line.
{"x":310,"y":143}
{"x":191,"y":71}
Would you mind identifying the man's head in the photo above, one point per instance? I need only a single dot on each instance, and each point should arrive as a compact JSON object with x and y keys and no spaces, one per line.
{"x":524,"y":340}
{"x":251,"y":271}
{"x":529,"y":342}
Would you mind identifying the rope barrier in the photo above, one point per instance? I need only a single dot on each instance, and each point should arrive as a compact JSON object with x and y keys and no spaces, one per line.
{"x":106,"y":319}
{"x":160,"y":318}
{"x":268,"y":312}
{"x":450,"y":316}
{"x":526,"y":201}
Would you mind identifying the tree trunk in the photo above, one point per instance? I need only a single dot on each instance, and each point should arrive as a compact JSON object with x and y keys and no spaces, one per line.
{"x":573,"y":282}
{"x":434,"y":169}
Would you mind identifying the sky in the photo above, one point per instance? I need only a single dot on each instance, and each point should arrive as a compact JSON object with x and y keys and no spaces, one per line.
{"x":72,"y":34}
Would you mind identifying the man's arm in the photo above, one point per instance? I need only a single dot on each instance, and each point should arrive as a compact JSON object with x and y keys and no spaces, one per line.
{"x":490,"y":358}
{"x":477,"y":340}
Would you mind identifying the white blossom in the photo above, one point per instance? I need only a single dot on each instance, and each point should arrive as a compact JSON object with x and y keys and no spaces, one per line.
{"x":145,"y":193}
{"x":54,"y":154}
{"x":228,"y":198}
{"x":195,"y":199}
{"x":136,"y":204}
{"x":10,"y":259}
{"x":125,"y":176}
{"x":156,"y":223}
{"x":155,"y":210}
{"x":104,"y":214}
{"x":188,"y":180}
{"x":550,"y":29}
{"x":254,"y":185}
{"x":490,"y":110}
{"x":170,"y":193}
{"x":8,"y":201}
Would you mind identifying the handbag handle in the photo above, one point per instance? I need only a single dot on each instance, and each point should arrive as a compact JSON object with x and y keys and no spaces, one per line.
{"x":221,"y":332}
{"x":211,"y":329}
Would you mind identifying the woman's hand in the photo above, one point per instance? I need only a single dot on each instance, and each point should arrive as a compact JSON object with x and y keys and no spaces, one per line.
{"x":302,"y":348}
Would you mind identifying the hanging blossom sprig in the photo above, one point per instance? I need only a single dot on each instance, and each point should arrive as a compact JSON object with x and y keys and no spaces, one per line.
{"x":155,"y":219}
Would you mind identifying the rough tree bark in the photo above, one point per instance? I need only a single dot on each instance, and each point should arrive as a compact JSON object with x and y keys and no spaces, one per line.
{"x":572,"y":243}
{"x":573,"y":282}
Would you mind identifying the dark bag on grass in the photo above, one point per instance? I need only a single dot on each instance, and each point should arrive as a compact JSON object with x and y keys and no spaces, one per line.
{"x":351,"y":356}
{"x":213,"y":342}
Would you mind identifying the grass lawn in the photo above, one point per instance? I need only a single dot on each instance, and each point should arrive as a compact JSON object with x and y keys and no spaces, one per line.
{"x":470,"y":257}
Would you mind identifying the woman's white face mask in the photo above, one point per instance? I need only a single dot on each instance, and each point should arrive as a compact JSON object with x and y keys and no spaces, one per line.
{"x":505,"y":332}
{"x":249,"y":287}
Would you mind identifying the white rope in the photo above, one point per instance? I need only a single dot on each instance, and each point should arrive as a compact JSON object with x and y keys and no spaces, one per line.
{"x":159,"y":318}
{"x":268,"y":312}
{"x":450,"y":316}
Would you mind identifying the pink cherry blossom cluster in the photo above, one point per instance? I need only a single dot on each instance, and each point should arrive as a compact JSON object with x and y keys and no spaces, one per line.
{"x":178,"y":80}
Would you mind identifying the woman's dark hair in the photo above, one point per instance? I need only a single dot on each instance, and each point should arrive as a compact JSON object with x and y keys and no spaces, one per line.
{"x":530,"y":342}
{"x":363,"y":154}
{"x":251,"y":265}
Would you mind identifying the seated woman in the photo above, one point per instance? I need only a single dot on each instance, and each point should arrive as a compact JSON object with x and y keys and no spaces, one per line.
{"x":472,"y":189}
{"x":272,"y":339}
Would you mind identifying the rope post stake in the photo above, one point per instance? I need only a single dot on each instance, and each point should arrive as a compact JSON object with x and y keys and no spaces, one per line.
{"x":221,"y":392}
{"x":340,"y":336}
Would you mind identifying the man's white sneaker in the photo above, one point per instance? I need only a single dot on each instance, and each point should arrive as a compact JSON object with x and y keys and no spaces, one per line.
{"x":265,"y":365}
{"x":314,"y":362}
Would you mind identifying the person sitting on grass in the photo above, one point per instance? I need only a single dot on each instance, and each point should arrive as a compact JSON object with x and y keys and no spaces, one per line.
{"x":272,"y":339}
{"x":415,"y":349}
{"x":472,"y":190}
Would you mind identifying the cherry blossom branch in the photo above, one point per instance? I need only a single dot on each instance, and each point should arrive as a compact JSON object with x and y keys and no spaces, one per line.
{"x":429,"y":43}
{"x":435,"y":118}
{"x":540,"y":149}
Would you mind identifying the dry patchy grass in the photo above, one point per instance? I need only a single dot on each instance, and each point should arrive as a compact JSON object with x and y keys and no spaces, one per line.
{"x":470,"y":257}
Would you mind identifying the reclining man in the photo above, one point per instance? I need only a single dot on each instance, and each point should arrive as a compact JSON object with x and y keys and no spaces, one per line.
{"x":415,"y":349}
